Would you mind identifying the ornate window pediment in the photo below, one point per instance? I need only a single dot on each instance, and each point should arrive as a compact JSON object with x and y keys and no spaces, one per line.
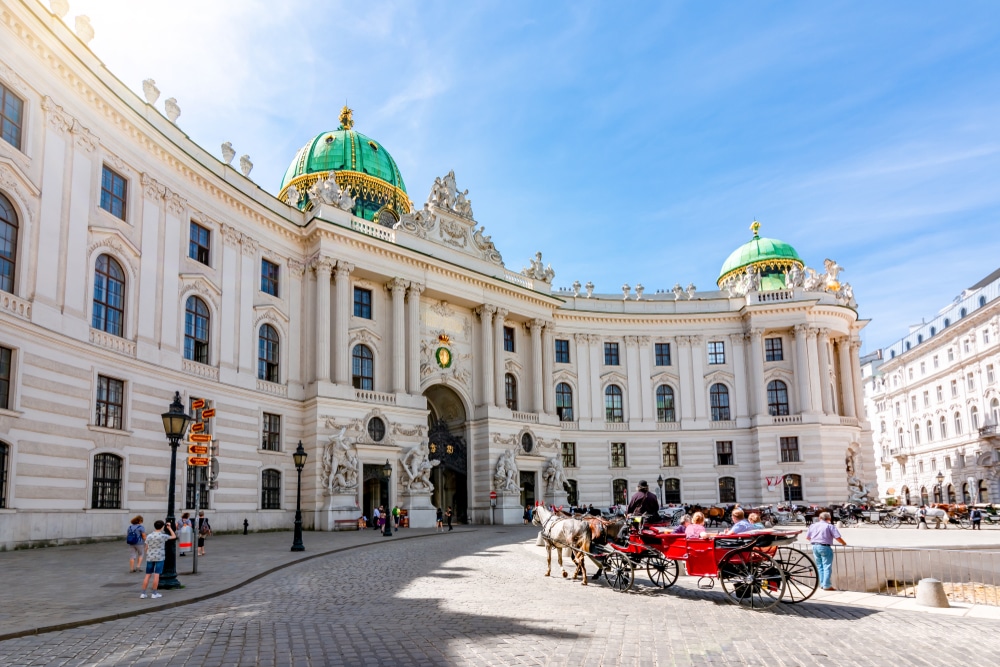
{"x":566,"y":376}
{"x":196,"y":283}
{"x":366,"y":336}
{"x":109,"y":239}
{"x":665,"y":377}
{"x":272,"y":316}
{"x":725,"y":378}
{"x":19,"y":189}
{"x":614,"y":377}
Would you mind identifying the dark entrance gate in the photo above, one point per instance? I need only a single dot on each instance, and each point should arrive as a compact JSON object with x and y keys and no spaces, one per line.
{"x":376,"y":491}
{"x":527,"y":488}
{"x":450,"y":475}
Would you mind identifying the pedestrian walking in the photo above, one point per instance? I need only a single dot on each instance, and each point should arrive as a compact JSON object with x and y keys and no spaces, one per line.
{"x":376,"y":518}
{"x":440,"y":520}
{"x":922,"y":517}
{"x":977,"y":518}
{"x":156,"y":553}
{"x":526,"y":517}
{"x":822,"y":535}
{"x":395,"y":516}
{"x":135,"y":538}
{"x":204,"y":530}
{"x":185,"y":534}
{"x":448,"y":516}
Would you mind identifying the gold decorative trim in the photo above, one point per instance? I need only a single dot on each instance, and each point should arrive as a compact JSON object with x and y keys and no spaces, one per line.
{"x":358,"y":184}
{"x":779,"y":264}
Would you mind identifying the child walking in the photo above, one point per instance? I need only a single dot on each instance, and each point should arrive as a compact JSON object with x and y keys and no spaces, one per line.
{"x":156,"y":553}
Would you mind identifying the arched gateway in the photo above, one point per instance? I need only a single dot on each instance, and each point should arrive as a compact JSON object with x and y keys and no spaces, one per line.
{"x":447,"y":437}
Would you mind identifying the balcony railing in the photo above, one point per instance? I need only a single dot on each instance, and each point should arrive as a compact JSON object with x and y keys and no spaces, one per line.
{"x":787,"y":419}
{"x":371,"y":229}
{"x":111,"y":342}
{"x":15,"y":306}
{"x":201,"y":370}
{"x":718,"y":425}
{"x":375,"y":397}
{"x":529,"y":417}
{"x":616,"y":426}
{"x":272,"y":388}
{"x":569,"y":426}
{"x":668,"y":426}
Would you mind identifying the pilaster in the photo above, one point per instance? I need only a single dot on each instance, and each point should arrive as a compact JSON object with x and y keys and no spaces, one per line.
{"x":397,"y":288}
{"x":413,"y":351}
{"x":485,"y":313}
{"x":342,"y":319}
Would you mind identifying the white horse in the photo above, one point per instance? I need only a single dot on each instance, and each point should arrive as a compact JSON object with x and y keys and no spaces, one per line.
{"x":912,"y":512}
{"x":559,"y":532}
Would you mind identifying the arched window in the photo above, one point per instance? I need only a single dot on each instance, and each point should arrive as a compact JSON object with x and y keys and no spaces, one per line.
{"x":362,"y":368}
{"x":109,"y":296}
{"x":4,"y":466}
{"x":619,"y":491}
{"x":572,"y":494}
{"x":937,"y":494}
{"x":793,"y":488}
{"x":270,"y":489}
{"x":719,"y":395}
{"x":995,"y":411}
{"x":8,"y":245}
{"x":924,"y":498}
{"x":197,"y":325}
{"x":777,"y":398}
{"x":966,"y":497}
{"x":267,"y":354}
{"x":920,"y":338}
{"x":962,"y":313}
{"x":943,"y":427}
{"x":933,"y":330}
{"x":510,"y":391}
{"x":947,"y":323}
{"x":906,"y":495}
{"x":882,"y":427}
{"x":951,"y":494}
{"x":916,"y":434}
{"x":672,"y":491}
{"x":613,"y":410}
{"x":727,"y":489}
{"x":930,"y":431}
{"x":665,"y":404}
{"x":982,"y":301}
{"x":958,"y":423}
{"x":900,"y":437}
{"x":106,"y":490}
{"x":974,"y":418}
{"x":564,"y":402}
{"x":984,"y":491}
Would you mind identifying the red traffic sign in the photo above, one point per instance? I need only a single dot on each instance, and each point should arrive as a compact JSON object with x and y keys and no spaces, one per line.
{"x":208,"y":414}
{"x":198,"y":404}
{"x":200,"y":450}
{"x":198,"y":461}
{"x":199,"y":437}
{"x":493,"y":495}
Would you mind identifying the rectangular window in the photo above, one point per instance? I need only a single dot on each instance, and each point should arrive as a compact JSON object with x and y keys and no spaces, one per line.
{"x":11,"y":117}
{"x":508,"y":339}
{"x":562,"y":351}
{"x":913,"y":402}
{"x":724,"y":452}
{"x":937,"y":363}
{"x":106,"y":490}
{"x":990,"y":374}
{"x":270,"y":490}
{"x":951,"y":354}
{"x":362,"y":303}
{"x":569,"y":454}
{"x":986,"y":336}
{"x":200,"y":244}
{"x":110,"y":411}
{"x":920,"y":466}
{"x":5,"y":372}
{"x":618,"y":459}
{"x":927,"y":399}
{"x":897,"y":408}
{"x":268,"y":277}
{"x":789,"y":450}
{"x":271,"y":437}
{"x":199,"y":477}
{"x":772,"y":349}
{"x":954,"y":388}
{"x":662,"y":353}
{"x":670,"y":459}
{"x":909,"y":372}
{"x":971,"y":379}
{"x":967,"y":347}
{"x":114,"y":192}
{"x":619,"y":491}
{"x":716,"y":352}
{"x":611,"y":354}
{"x":940,"y":393}
{"x":923,"y":368}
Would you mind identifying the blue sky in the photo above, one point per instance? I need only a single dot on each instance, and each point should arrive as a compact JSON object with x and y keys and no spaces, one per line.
{"x":630,"y":142}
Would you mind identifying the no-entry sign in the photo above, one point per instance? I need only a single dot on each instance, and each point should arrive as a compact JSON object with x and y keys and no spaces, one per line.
{"x":493,"y":495}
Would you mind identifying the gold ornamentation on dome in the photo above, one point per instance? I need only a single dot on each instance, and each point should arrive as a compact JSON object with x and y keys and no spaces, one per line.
{"x":754,"y":227}
{"x":346,"y":118}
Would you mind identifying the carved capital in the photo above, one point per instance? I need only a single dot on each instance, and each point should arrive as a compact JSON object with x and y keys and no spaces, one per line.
{"x":812,"y":332}
{"x":230,"y":236}
{"x":697,"y":340}
{"x":296,"y":268}
{"x":644,"y":340}
{"x":151,"y":188}
{"x":175,"y":204}
{"x":58,"y":119}
{"x":397,"y":286}
{"x":536,"y":324}
{"x":801,"y":329}
{"x":501,"y":313}
{"x":85,"y":139}
{"x":415,"y":290}
{"x":684,"y":341}
{"x":755,"y":335}
{"x":736,"y":338}
{"x":632,"y":341}
{"x":486,"y":312}
{"x":855,"y":345}
{"x":250,"y":245}
{"x":323,"y":265}
{"x":344,"y":269}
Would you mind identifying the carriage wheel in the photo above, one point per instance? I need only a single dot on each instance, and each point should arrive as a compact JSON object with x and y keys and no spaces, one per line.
{"x":965,"y":522}
{"x":801,"y":575}
{"x":889,"y":521}
{"x":662,"y":572}
{"x":752,"y":579}
{"x":618,"y":569}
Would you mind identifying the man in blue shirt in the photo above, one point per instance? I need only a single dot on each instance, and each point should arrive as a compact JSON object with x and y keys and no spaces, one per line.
{"x":822,"y":534}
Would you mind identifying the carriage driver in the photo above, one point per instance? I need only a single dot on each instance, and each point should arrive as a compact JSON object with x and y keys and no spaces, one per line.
{"x":644,"y":502}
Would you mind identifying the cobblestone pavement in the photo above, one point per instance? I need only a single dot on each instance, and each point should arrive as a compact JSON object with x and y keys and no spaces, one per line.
{"x":479,"y":598}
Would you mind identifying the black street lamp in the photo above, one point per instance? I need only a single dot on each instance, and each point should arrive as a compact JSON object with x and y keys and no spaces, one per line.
{"x":659,"y":483}
{"x":387,"y":474}
{"x":299,"y":457}
{"x":175,"y":423}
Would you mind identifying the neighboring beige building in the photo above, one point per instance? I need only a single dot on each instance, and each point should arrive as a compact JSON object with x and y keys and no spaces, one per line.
{"x":933,"y":399}
{"x":134,"y":264}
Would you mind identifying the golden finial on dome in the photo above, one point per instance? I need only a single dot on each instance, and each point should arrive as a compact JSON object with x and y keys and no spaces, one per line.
{"x":346,"y":118}
{"x":755,"y":228}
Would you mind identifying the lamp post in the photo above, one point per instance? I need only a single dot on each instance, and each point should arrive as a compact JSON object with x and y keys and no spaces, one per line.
{"x":175,"y":423}
{"x":387,"y":474}
{"x":659,"y":483}
{"x":940,"y":487}
{"x":299,"y":457}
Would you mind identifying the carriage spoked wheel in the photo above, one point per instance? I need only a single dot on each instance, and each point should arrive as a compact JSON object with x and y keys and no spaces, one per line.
{"x":965,"y":522}
{"x":752,"y":579}
{"x":619,"y":572}
{"x":889,"y":521}
{"x":801,"y":575}
{"x":662,"y":571}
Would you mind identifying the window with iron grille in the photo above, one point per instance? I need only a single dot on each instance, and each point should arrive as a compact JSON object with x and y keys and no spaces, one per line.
{"x":672,"y":491}
{"x":268,"y":348}
{"x":271,"y":437}
{"x":362,"y":368}
{"x":270,"y":490}
{"x":6,"y":354}
{"x":562,"y":351}
{"x":196,"y":330}
{"x":611,"y":354}
{"x":724,"y":453}
{"x":572,"y":492}
{"x":114,"y":191}
{"x":363,"y":303}
{"x":8,"y":244}
{"x":4,"y":465}
{"x":793,"y":488}
{"x":11,"y":116}
{"x":661,"y":352}
{"x":727,"y":489}
{"x":569,"y":454}
{"x":789,"y":450}
{"x":719,"y":395}
{"x":200,"y":244}
{"x":109,"y":297}
{"x":716,"y":352}
{"x":665,"y":404}
{"x":618,"y":458}
{"x":269,"y":277}
{"x":110,"y":409}
{"x":772,"y":349}
{"x":106,"y":490}
{"x":196,"y":477}
{"x":670,"y":455}
{"x":613,"y":409}
{"x":508,"y":339}
{"x":619,"y":491}
{"x":777,"y":398}
{"x":564,"y":402}
{"x":510,"y":391}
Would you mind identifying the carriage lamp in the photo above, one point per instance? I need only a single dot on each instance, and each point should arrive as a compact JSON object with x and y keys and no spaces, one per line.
{"x":387,"y":474}
{"x":299,"y":458}
{"x":940,"y":478}
{"x":659,"y":483}
{"x":175,"y":424}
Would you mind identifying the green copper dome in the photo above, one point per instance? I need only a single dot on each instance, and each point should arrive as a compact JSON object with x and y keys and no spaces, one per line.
{"x":770,"y":257}
{"x":360,"y":164}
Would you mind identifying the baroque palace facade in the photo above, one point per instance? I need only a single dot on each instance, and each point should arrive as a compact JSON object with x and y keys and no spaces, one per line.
{"x":380,"y":334}
{"x":933,"y":398}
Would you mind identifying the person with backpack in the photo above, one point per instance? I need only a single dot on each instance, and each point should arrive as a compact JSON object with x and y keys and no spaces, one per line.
{"x":204,"y":530}
{"x":977,"y":518}
{"x":922,"y":517}
{"x":135,"y":538}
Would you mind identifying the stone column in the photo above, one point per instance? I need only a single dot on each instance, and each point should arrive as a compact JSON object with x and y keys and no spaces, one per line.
{"x":548,"y":355}
{"x":740,"y":372}
{"x":686,"y":397}
{"x":485,"y":313}
{"x":859,"y":405}
{"x":802,"y":367}
{"x":815,"y":404}
{"x":823,"y":352}
{"x":323,"y":268}
{"x":397,"y":287}
{"x":757,"y":372}
{"x":413,"y":349}
{"x":846,"y":377}
{"x":342,"y":321}
{"x":536,"y":365}
{"x":498,"y":358}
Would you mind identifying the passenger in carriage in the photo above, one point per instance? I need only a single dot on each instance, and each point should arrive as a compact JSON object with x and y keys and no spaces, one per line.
{"x":644,"y":502}
{"x":740,"y":524}
{"x":682,"y":528}
{"x":696,"y":529}
{"x":754,"y":518}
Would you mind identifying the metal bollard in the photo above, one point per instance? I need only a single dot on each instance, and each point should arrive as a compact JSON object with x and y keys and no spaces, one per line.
{"x":246,"y":526}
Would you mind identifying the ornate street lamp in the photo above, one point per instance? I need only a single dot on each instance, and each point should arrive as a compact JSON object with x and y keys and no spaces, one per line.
{"x":299,"y":457}
{"x":659,"y":483}
{"x":175,"y":424}
{"x":387,"y":475}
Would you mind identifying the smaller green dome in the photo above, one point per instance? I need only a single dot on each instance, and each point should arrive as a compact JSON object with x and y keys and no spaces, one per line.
{"x":770,"y":257}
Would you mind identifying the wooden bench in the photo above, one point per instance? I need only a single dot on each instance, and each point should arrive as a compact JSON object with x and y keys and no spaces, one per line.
{"x":345,"y":524}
